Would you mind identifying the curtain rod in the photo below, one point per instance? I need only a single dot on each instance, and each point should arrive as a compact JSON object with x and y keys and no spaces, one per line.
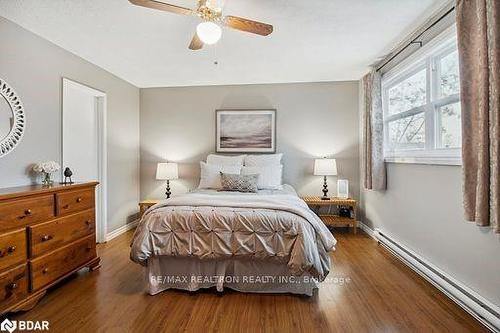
{"x":414,"y":40}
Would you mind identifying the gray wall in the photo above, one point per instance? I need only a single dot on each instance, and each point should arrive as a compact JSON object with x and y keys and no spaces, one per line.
{"x":422,"y":208}
{"x":313,"y":120}
{"x":34,"y":68}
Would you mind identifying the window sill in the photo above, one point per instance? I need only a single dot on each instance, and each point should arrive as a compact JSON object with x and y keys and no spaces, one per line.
{"x":425,"y":160}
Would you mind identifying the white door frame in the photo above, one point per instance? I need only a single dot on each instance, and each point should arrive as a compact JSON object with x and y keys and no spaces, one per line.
{"x":101,"y":194}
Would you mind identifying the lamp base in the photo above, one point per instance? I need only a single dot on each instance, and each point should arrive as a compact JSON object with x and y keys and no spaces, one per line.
{"x":168,"y":193}
{"x":325,"y":190}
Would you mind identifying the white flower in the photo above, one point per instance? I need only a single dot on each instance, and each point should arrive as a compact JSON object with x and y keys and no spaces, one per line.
{"x":46,"y":167}
{"x":51,"y":167}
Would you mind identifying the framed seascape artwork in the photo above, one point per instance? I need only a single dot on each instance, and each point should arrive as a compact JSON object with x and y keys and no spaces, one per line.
{"x":245,"y":131}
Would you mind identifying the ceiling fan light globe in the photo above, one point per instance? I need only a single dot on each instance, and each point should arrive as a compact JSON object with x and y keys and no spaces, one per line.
{"x":209,"y":32}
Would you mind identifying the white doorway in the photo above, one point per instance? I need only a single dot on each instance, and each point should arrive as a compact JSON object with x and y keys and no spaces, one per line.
{"x":84,"y":142}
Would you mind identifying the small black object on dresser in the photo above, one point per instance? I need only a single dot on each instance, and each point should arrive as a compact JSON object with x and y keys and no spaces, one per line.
{"x":67,"y":174}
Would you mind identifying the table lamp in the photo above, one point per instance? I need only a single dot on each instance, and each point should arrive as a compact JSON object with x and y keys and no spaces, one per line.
{"x":325,"y":167}
{"x":167,"y":171}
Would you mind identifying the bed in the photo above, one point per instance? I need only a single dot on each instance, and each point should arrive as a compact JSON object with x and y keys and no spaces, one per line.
{"x":266,"y":242}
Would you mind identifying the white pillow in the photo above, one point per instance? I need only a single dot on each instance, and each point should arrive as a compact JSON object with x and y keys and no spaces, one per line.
{"x":210,"y":174}
{"x":225,"y":160}
{"x":269,"y":176}
{"x":263,"y":160}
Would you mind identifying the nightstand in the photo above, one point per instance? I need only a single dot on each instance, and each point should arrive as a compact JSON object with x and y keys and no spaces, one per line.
{"x":145,"y":204}
{"x":331,"y":219}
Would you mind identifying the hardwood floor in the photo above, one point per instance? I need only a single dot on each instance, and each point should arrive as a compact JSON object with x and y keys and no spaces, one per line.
{"x":382,"y":295}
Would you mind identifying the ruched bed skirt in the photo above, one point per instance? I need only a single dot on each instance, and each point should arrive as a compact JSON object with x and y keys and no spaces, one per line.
{"x":242,"y":275}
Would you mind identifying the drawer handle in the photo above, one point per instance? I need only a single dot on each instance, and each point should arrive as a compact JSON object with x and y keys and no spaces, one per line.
{"x":45,"y":270}
{"x":12,"y":286}
{"x":88,"y":223}
{"x":46,"y":238}
{"x":66,"y":206}
{"x":79,"y":199}
{"x":10,"y":249}
{"x":27,"y":213}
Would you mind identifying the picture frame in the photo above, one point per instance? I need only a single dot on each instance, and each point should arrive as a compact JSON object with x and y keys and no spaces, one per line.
{"x":245,"y":130}
{"x":343,"y":188}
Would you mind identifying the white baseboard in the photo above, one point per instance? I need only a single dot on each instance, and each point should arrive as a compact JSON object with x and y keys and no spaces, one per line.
{"x":367,"y":230}
{"x":479,"y":307}
{"x":121,"y":230}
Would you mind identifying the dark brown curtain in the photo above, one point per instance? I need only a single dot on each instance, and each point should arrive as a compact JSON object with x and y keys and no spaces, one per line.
{"x":478,"y":27}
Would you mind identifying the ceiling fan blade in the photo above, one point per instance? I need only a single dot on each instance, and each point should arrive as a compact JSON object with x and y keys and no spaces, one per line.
{"x":163,"y":6}
{"x":196,"y":43}
{"x":247,"y":25}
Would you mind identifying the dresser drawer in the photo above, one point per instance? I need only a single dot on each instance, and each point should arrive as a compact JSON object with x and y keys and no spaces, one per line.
{"x":13,"y":286}
{"x":12,"y":248}
{"x":48,"y":236}
{"x":20,"y":212}
{"x":53,"y":265}
{"x":74,"y":201}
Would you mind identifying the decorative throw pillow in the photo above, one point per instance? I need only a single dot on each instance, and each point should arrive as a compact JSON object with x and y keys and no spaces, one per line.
{"x":263,"y":160}
{"x":210,"y":174}
{"x":225,"y":160}
{"x":269,"y":176}
{"x":239,"y":183}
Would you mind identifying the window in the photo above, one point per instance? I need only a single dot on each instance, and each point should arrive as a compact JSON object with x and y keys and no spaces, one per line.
{"x":421,"y":105}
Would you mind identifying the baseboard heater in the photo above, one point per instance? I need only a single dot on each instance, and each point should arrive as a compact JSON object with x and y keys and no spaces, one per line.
{"x":483,"y":310}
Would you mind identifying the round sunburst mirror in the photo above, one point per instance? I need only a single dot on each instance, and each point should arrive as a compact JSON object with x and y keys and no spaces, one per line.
{"x":12,"y":119}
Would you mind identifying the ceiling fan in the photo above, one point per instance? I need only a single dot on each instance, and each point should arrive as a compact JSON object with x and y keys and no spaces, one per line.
{"x":209,"y":31}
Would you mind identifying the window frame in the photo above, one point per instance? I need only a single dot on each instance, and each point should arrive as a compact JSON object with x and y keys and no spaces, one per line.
{"x":428,"y":57}
{"x":438,"y":101}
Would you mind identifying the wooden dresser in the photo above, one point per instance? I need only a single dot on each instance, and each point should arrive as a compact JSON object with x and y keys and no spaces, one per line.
{"x":46,"y":234}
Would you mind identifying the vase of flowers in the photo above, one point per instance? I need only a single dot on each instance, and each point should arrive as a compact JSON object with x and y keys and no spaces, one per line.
{"x":46,"y":169}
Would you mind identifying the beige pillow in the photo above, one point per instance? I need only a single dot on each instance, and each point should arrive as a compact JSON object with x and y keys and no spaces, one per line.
{"x":210,"y":174}
{"x":263,"y":160}
{"x":225,"y":160}
{"x":270,"y":177}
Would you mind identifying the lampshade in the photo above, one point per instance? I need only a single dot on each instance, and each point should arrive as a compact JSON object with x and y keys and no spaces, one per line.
{"x":325,"y":167}
{"x":167,"y":171}
{"x":209,"y":32}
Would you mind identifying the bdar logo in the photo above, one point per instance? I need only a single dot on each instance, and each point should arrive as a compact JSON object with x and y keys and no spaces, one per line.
{"x":23,"y":325}
{"x":8,"y":325}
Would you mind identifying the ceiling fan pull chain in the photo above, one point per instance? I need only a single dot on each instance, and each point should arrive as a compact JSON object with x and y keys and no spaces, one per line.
{"x":216,"y":61}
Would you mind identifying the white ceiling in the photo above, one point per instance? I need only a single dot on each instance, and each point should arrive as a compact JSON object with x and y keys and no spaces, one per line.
{"x":314,"y":40}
